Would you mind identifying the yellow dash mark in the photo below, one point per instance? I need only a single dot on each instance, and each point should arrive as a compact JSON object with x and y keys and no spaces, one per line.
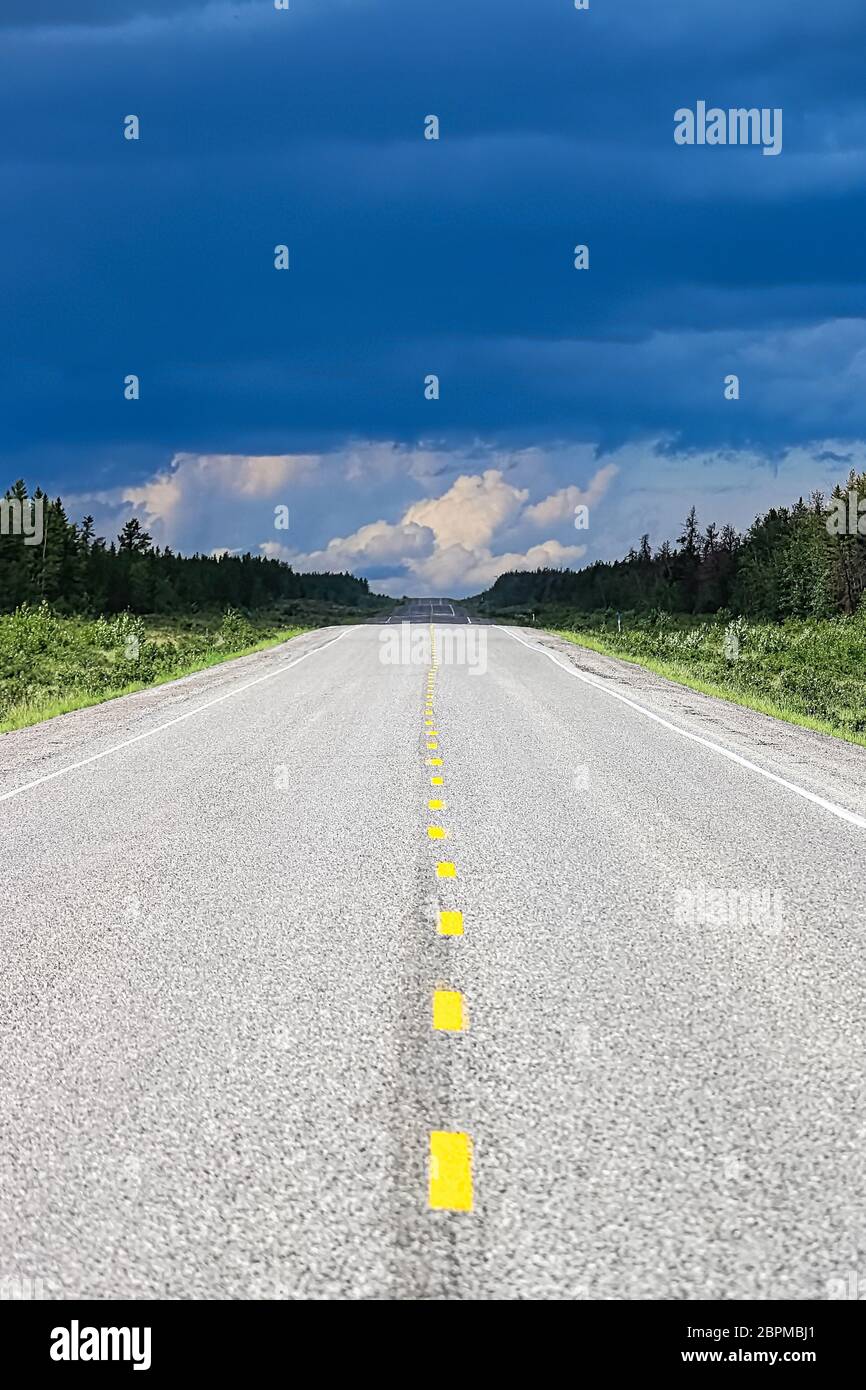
{"x":431,"y":747}
{"x":450,"y":923}
{"x":450,"y":1171}
{"x":436,"y":805}
{"x":434,"y":762}
{"x":435,"y":832}
{"x":448,"y":1012}
{"x":446,"y":869}
{"x":436,"y":781}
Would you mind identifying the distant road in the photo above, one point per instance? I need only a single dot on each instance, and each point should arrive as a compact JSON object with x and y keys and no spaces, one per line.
{"x":430,"y":610}
{"x":266,"y":1032}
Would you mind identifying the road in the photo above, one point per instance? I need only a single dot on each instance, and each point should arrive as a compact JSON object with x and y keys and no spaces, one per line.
{"x":222,"y":942}
{"x":427,"y":610}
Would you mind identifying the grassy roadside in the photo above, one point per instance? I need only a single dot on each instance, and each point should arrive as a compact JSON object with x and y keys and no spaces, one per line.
{"x":808,"y":673}
{"x":51,"y":664}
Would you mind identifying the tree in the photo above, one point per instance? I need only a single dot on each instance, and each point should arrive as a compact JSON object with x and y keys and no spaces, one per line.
{"x":133,"y":538}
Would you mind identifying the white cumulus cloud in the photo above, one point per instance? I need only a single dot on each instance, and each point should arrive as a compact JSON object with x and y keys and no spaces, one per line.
{"x":559,"y":506}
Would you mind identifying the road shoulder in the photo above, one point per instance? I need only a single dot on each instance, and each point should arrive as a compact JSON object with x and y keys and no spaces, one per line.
{"x":824,"y":765}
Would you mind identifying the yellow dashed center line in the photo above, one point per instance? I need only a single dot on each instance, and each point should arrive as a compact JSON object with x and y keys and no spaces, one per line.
{"x":450,"y":923}
{"x":450,"y":1171}
{"x":449,"y":1015}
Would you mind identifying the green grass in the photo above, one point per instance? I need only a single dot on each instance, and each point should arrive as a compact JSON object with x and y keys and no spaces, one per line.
{"x":811,"y":673}
{"x":50,"y":664}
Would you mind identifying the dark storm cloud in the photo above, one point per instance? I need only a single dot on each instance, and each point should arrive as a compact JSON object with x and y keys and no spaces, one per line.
{"x":411,"y":257}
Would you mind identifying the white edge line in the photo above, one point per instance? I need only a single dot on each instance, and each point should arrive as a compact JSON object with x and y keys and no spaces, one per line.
{"x":832,"y":806}
{"x":149,"y":733}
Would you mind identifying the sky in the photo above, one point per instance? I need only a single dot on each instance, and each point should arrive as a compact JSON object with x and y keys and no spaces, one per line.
{"x":305,"y":388}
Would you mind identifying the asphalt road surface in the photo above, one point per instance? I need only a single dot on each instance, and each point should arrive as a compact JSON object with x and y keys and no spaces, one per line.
{"x":427,"y":610}
{"x":257,"y":1044}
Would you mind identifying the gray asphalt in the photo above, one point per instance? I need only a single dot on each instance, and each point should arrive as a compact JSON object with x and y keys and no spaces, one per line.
{"x":219,"y":1073}
{"x":432,"y":610}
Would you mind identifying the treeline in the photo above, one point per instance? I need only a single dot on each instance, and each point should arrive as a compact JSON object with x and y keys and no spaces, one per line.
{"x":77,"y":571}
{"x":805,"y":561}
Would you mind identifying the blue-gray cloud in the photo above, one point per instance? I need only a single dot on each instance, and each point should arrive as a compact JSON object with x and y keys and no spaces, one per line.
{"x":411,"y":257}
{"x":77,"y":13}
